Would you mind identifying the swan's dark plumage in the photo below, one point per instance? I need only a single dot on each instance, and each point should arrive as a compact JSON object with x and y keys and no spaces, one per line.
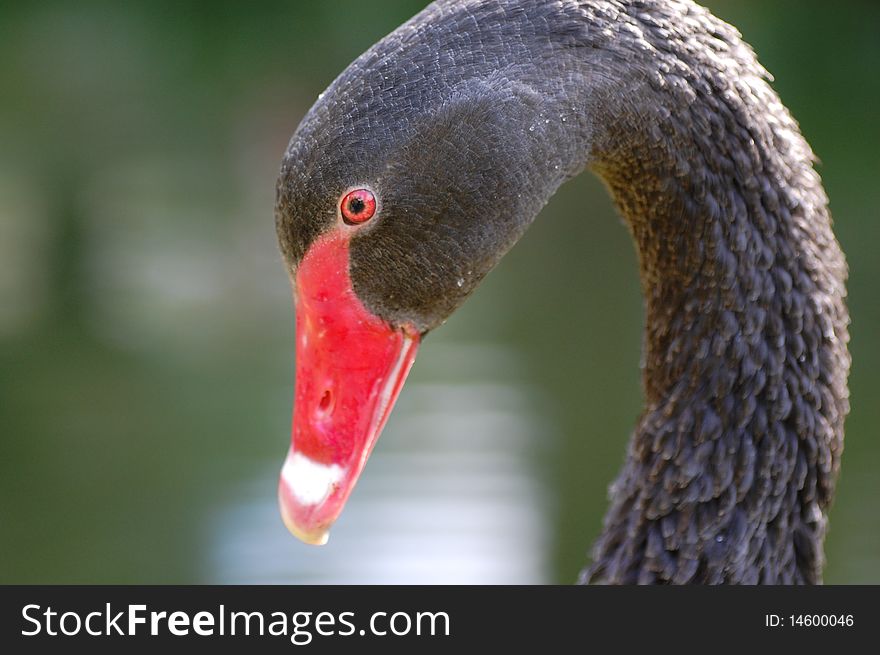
{"x":467,"y":119}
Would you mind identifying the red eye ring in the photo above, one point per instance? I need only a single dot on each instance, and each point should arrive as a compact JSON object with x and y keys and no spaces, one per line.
{"x":358,"y":206}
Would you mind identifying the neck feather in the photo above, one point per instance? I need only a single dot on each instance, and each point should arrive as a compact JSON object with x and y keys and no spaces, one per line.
{"x":732,"y":467}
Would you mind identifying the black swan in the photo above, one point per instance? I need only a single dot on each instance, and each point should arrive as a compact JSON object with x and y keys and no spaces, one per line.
{"x":431,"y":154}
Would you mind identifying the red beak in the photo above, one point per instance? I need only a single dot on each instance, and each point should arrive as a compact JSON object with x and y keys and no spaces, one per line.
{"x":350,"y":366}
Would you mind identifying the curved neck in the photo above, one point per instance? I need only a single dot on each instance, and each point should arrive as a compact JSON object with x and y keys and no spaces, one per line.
{"x":732,"y":467}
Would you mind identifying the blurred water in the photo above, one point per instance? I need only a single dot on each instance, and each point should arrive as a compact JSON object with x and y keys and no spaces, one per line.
{"x":450,"y":495}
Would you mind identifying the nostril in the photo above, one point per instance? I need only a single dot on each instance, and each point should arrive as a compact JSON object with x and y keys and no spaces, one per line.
{"x":326,"y":402}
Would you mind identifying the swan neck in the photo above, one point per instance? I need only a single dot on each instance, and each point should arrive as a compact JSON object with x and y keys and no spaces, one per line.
{"x":733,"y":464}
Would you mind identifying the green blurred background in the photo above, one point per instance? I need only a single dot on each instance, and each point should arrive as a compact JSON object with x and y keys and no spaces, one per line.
{"x":146,"y":329}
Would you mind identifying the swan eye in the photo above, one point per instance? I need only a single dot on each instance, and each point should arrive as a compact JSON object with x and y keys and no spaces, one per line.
{"x":358,"y":206}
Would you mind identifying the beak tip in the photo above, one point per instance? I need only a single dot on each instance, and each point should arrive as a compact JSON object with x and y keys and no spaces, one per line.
{"x":316,"y":538}
{"x":310,"y":536}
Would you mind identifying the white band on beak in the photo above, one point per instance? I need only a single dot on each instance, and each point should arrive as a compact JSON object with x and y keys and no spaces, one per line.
{"x":308,"y":481}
